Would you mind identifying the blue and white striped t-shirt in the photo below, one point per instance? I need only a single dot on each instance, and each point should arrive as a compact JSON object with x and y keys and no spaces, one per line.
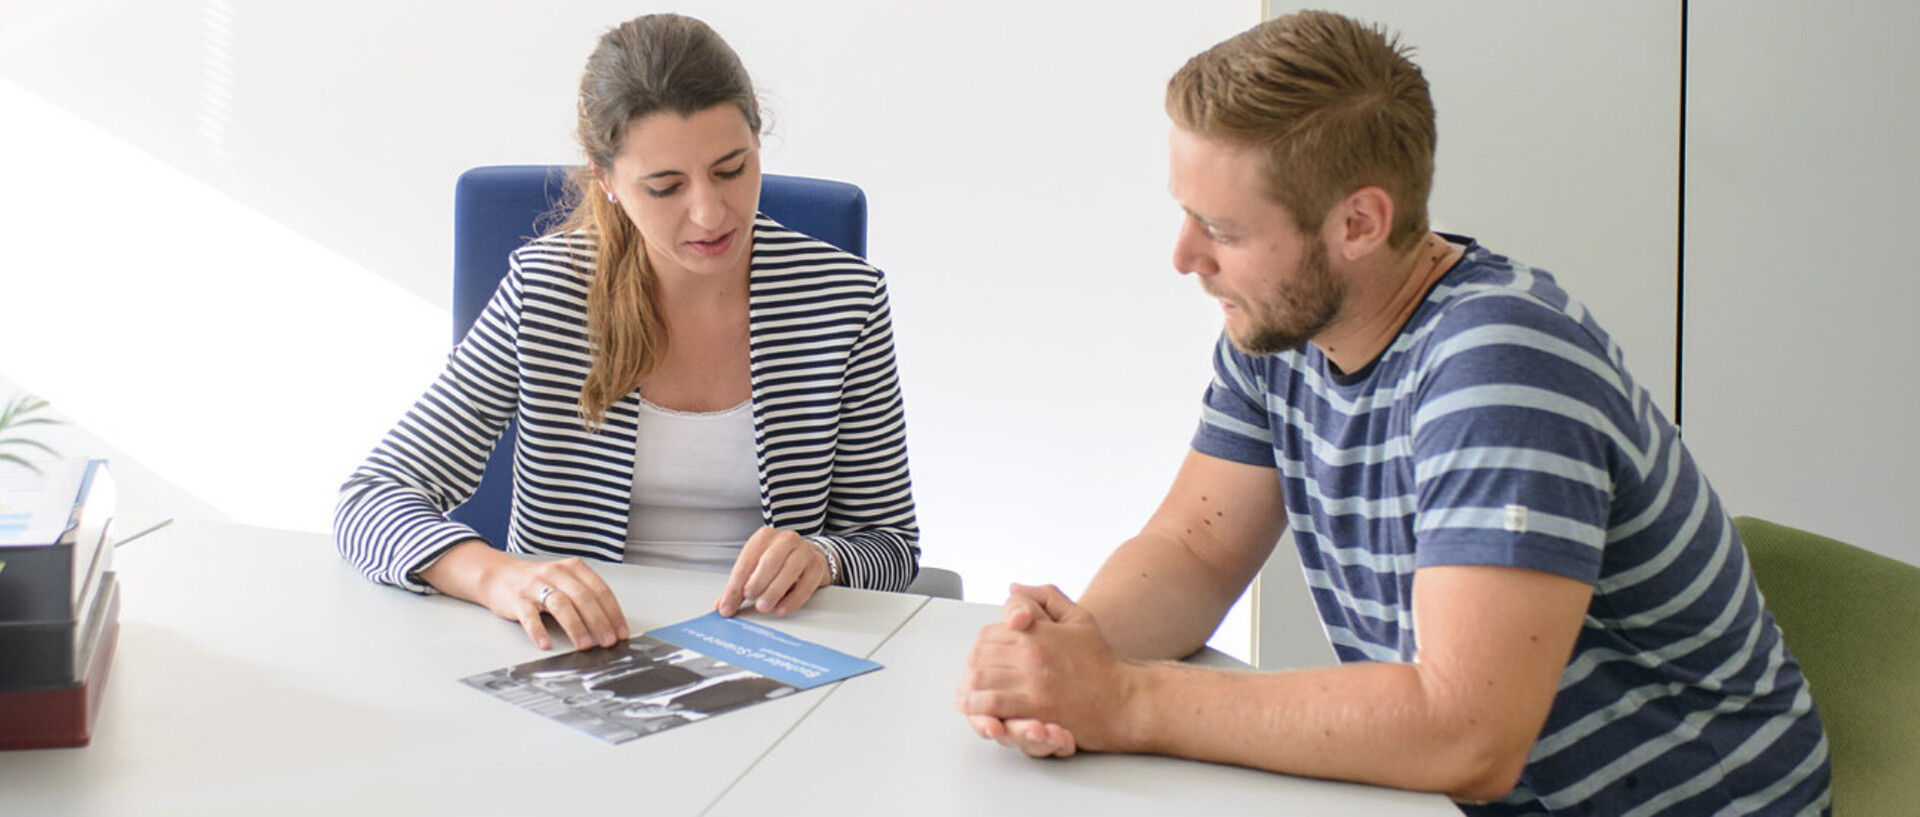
{"x":1501,"y":428}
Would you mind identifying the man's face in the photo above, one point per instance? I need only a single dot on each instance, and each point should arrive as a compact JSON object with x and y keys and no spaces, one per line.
{"x":1275,"y":284}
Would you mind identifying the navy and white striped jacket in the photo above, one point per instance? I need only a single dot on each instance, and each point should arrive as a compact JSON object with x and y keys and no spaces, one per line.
{"x":829,"y":429}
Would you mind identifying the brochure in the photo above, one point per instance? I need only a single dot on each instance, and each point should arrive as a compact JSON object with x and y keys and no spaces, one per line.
{"x":668,"y":677}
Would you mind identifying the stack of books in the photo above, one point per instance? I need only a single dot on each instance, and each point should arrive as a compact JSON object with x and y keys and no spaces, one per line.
{"x":59,"y":603}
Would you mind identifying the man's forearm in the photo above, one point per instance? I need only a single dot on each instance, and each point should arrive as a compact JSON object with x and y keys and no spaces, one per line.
{"x":1461,"y":719}
{"x":1163,"y":592}
{"x":1156,"y":599}
{"x":1381,"y":724}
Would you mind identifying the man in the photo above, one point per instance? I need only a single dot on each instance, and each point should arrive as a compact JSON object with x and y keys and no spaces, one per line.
{"x":1538,"y":602}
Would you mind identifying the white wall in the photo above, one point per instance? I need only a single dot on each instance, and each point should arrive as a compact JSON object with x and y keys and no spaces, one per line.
{"x":228,"y":226}
{"x":1803,"y":155}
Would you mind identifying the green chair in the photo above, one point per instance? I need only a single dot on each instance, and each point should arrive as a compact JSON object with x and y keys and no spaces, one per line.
{"x":1852,"y":617}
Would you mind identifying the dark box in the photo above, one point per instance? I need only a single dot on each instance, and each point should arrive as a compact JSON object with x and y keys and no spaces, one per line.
{"x":64,"y":715}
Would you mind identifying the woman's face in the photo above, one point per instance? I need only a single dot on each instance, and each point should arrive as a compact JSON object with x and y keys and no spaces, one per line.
{"x":692,"y":186}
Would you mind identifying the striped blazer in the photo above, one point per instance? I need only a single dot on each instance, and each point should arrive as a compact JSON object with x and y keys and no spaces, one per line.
{"x":829,"y":428}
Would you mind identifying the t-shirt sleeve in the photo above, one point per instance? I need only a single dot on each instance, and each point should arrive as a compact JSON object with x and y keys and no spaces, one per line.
{"x":1234,"y":423}
{"x":1517,"y":440}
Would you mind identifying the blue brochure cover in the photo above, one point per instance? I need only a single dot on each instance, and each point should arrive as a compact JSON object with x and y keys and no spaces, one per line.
{"x":762,"y":649}
{"x":669,"y":677}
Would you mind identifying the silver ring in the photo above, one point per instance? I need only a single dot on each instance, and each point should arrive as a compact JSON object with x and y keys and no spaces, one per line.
{"x":545,"y":591}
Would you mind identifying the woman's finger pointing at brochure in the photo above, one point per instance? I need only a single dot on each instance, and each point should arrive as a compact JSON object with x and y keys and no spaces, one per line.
{"x":777,"y":572}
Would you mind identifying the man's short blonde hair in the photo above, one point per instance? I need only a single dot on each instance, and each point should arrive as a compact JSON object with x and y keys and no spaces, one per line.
{"x":1335,"y":104}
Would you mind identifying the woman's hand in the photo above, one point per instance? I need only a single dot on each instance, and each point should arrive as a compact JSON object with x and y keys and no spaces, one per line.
{"x":777,"y":572}
{"x":522,"y":590}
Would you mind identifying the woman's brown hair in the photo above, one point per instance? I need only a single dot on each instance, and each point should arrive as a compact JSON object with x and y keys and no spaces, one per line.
{"x":655,"y":63}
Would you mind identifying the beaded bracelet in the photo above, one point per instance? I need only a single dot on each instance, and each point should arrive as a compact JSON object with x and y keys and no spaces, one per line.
{"x":833,"y":561}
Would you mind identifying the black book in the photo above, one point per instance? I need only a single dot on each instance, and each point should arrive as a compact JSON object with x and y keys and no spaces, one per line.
{"x":54,"y":654}
{"x":55,"y":572}
{"x":52,"y":529}
{"x":43,"y":717}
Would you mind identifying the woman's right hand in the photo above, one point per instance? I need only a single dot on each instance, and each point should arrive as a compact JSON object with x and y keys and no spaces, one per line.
{"x":517,"y":589}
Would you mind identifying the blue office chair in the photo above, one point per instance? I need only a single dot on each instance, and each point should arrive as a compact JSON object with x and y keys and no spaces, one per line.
{"x":497,"y":209}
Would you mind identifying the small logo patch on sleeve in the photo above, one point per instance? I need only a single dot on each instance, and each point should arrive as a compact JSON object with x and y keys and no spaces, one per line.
{"x":1517,"y":518}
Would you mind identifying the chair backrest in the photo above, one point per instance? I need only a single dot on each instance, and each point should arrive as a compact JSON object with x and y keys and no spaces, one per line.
{"x":1849,"y":616}
{"x":496,"y":209}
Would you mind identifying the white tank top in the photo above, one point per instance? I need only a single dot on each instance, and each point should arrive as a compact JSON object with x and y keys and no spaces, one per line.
{"x":696,"y":488}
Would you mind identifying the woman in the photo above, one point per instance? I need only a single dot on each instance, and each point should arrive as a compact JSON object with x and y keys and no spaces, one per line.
{"x":696,"y":385}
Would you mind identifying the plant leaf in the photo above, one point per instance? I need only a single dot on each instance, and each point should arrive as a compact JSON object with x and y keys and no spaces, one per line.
{"x":30,"y":443}
{"x":24,"y":404}
{"x":15,"y":414}
{"x":23,"y":463}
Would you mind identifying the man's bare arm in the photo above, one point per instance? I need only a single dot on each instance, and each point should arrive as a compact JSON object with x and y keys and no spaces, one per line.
{"x":1460,"y":720}
{"x":1162,"y":593}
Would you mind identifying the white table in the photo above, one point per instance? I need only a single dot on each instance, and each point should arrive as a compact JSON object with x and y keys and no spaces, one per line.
{"x":258,"y":673}
{"x":893,"y":737}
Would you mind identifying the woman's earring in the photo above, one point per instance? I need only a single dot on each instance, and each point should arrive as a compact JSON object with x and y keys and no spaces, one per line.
{"x":610,"y":196}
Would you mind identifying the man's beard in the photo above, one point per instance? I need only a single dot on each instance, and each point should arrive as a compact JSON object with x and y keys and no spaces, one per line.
{"x":1301,"y":310}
